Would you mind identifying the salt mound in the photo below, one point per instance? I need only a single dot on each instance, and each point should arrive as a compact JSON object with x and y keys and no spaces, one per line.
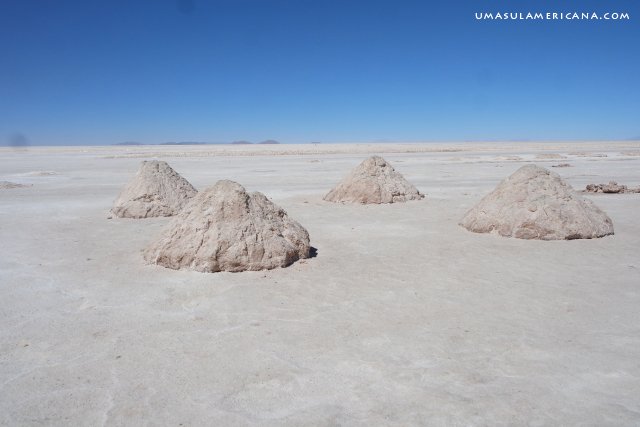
{"x":224,"y":228}
{"x":374,"y":181}
{"x":7,"y":185}
{"x":41,"y":173}
{"x":535,"y":203}
{"x":155,"y":190}
{"x":611,"y":188}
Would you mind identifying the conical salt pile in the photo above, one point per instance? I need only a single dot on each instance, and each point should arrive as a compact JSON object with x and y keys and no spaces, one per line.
{"x":224,"y":228}
{"x":535,"y":203}
{"x":374,"y":181}
{"x":155,"y":190}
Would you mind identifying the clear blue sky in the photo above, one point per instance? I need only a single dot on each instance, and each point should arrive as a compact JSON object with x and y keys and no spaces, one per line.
{"x":102,"y":72}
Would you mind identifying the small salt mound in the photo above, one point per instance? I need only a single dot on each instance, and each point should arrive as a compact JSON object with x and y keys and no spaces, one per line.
{"x":611,"y":188}
{"x":373,"y":181}
{"x":224,"y":228}
{"x":6,"y":185}
{"x":155,"y":190}
{"x":535,"y":203}
{"x":41,"y":173}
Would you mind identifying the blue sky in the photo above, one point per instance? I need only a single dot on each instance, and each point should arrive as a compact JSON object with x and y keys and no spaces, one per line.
{"x":103,"y":72}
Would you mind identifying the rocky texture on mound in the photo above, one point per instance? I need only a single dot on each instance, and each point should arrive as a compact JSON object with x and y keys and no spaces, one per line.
{"x":6,"y":185}
{"x":535,"y":203}
{"x":611,"y":188}
{"x":373,"y":181}
{"x":155,"y":190}
{"x":224,"y":228}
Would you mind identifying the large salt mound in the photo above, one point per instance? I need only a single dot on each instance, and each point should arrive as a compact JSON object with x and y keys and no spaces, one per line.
{"x":155,"y":190}
{"x":373,"y":181}
{"x":224,"y":228}
{"x":535,"y":203}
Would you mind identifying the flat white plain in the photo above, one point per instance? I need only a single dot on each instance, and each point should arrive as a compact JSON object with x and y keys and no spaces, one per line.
{"x":403,"y":317}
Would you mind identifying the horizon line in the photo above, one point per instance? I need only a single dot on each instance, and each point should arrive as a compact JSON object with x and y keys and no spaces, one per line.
{"x":247,"y":143}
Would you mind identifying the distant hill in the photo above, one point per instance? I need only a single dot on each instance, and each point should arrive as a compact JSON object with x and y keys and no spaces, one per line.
{"x":269,"y":141}
{"x":128,"y":143}
{"x":184,"y":143}
{"x":241,"y":142}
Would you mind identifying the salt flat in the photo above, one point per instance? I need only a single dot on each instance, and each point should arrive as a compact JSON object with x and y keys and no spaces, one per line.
{"x":403,"y":317}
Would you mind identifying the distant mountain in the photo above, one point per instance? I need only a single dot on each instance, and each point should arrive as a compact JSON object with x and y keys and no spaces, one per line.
{"x":269,"y":141}
{"x":241,"y":142}
{"x":184,"y":143}
{"x":128,"y":143}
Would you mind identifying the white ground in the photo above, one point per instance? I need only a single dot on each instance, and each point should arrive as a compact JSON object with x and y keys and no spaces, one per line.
{"x":403,"y":318}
